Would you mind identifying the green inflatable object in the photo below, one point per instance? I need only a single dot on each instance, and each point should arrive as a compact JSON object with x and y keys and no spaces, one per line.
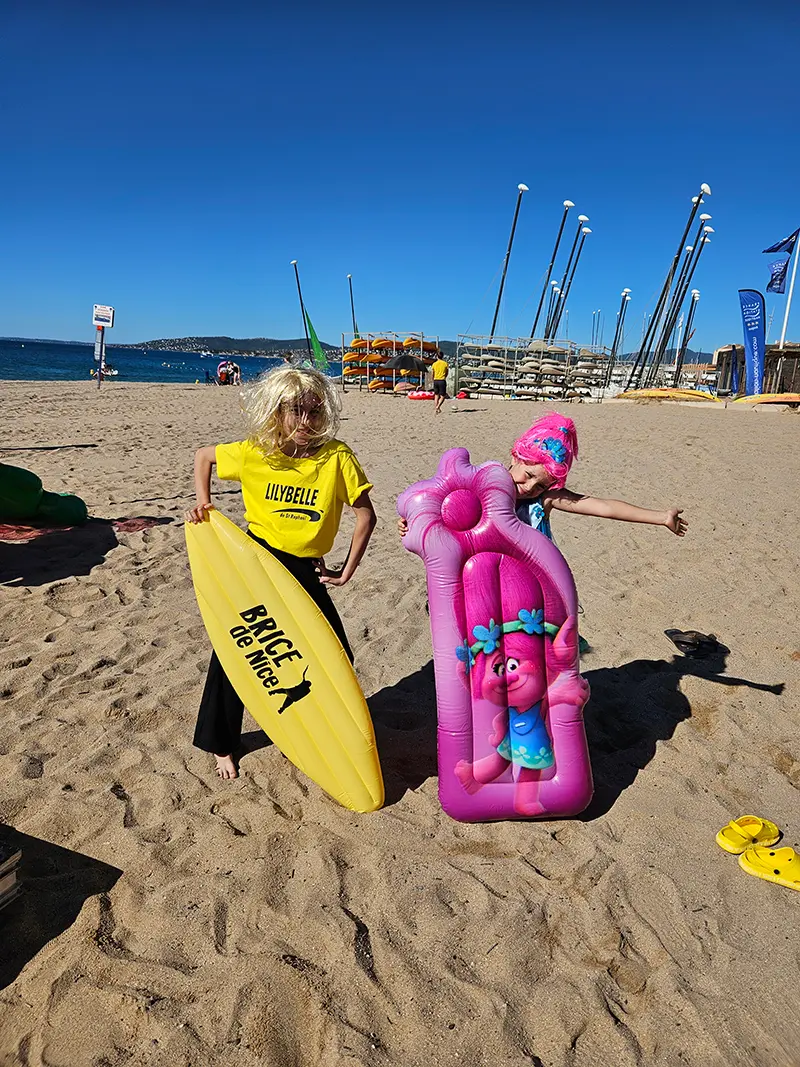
{"x":22,"y":499}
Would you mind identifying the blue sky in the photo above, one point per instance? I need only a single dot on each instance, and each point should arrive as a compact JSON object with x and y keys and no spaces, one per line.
{"x":172,"y":158}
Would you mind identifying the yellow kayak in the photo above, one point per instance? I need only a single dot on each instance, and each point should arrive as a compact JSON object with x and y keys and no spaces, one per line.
{"x":769,"y":398}
{"x":668,"y":394}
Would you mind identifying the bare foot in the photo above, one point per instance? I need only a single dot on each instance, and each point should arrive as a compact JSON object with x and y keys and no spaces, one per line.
{"x":226,"y":768}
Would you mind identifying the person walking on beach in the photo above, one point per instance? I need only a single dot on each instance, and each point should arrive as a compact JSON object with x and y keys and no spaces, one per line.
{"x":292,"y":417}
{"x":439,"y":370}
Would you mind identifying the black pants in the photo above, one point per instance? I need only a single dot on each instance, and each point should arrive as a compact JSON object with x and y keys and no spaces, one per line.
{"x":219,"y":720}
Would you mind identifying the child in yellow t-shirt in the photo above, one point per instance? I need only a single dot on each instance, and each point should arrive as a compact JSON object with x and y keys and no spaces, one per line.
{"x":295,"y":478}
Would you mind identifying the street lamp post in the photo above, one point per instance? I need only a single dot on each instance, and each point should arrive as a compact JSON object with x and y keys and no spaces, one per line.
{"x":679,"y":284}
{"x":618,"y":333}
{"x":302,"y":305}
{"x":680,"y":355}
{"x":676,"y":305}
{"x":567,"y":205}
{"x":352,"y":305}
{"x":582,"y":220}
{"x":620,"y":316}
{"x":554,"y":291}
{"x":562,"y":303}
{"x":644,"y":349}
{"x":521,"y":189}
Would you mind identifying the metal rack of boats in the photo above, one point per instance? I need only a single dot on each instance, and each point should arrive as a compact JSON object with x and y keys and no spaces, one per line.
{"x":387,"y":362}
{"x":524,"y":369}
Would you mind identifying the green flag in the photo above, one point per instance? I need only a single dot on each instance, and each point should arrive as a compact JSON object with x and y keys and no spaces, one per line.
{"x":319,"y":356}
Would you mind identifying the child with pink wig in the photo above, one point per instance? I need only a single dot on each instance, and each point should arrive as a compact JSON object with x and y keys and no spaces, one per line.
{"x":541,"y":461}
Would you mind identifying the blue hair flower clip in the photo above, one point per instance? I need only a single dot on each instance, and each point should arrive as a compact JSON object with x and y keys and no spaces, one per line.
{"x":489,"y":637}
{"x":532,"y":621}
{"x":555,"y":448}
{"x":464,"y":654}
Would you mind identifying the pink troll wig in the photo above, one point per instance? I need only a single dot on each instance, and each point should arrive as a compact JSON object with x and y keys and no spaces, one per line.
{"x":552,"y":441}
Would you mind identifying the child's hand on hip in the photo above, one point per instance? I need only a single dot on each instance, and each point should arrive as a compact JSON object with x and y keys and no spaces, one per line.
{"x":402,"y":527}
{"x":198,"y":513}
{"x":674,"y":522}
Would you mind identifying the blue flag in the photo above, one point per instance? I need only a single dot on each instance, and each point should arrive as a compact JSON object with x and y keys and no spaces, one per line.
{"x":734,"y":373}
{"x":777,"y":281}
{"x":752,"y":303}
{"x":786,"y":245}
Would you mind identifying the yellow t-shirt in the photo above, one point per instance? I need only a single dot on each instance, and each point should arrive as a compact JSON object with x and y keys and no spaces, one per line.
{"x":439,"y":369}
{"x":294,"y":504}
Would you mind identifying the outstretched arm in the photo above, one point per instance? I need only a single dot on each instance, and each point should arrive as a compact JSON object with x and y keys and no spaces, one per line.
{"x":602,"y":508}
{"x":365,"y":524}
{"x":204,"y":460}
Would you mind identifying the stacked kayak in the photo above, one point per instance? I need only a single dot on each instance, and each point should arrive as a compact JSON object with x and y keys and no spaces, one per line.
{"x":769,"y":398}
{"x":669,"y":394}
{"x":364,"y":363}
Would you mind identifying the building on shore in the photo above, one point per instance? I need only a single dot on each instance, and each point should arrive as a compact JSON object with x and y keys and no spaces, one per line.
{"x":781,"y":368}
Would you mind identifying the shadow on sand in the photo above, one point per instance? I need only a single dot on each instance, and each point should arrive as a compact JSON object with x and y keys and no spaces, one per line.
{"x":404,"y":715}
{"x":635,"y":706}
{"x":56,"y":882}
{"x":631,"y":709}
{"x":66,"y":553}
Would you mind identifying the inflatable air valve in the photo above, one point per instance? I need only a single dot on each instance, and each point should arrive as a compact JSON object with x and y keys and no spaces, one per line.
{"x":503,"y":611}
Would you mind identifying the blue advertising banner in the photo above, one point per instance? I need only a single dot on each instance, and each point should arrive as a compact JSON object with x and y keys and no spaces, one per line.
{"x":752,"y":303}
{"x":777,"y":281}
{"x":734,"y":374}
{"x":786,"y":245}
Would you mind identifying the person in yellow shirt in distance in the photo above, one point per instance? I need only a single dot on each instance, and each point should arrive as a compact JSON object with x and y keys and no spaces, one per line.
{"x":439,"y":370}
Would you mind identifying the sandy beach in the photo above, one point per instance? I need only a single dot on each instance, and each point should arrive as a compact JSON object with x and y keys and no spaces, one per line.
{"x":170,"y":918}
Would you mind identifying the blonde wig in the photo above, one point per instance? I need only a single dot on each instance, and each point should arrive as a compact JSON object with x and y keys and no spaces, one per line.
{"x":266,"y":403}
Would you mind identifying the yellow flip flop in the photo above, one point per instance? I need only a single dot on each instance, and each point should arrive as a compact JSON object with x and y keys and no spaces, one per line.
{"x":779,"y":865}
{"x":746,"y":831}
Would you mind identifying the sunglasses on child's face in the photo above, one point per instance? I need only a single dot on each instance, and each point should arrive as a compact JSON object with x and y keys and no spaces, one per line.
{"x":310,"y":409}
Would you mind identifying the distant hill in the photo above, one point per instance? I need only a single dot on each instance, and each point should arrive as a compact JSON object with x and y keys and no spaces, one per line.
{"x":669,"y":356}
{"x":239,"y":345}
{"x":44,"y":341}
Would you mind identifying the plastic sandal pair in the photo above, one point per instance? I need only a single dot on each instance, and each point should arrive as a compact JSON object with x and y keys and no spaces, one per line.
{"x":749,"y":838}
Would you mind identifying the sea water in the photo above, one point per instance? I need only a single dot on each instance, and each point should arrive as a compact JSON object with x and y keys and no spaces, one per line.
{"x":62,"y":361}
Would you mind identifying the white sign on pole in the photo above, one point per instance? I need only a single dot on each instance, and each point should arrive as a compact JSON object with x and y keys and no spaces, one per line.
{"x":103,"y":315}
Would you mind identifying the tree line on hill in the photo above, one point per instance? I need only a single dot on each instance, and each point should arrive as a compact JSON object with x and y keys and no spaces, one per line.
{"x":252,"y":346}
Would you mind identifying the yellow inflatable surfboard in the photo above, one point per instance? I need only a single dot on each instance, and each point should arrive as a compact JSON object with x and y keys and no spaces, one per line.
{"x":285,"y":662}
